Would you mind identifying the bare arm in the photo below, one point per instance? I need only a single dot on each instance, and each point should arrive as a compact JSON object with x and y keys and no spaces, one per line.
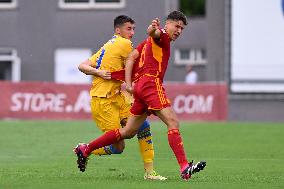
{"x":153,"y":29}
{"x":87,"y":68}
{"x":128,"y":69}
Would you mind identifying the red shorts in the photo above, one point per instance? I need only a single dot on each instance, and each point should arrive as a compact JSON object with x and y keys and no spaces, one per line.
{"x":149,"y":94}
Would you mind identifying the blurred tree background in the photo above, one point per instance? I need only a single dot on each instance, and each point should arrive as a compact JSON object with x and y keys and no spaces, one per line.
{"x":192,"y":7}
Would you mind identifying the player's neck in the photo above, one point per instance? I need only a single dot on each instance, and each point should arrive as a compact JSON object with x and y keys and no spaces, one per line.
{"x":116,"y":34}
{"x":167,"y":33}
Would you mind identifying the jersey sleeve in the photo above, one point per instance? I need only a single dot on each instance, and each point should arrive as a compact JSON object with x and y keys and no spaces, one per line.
{"x":126,"y":47}
{"x":94,"y":59}
{"x":118,"y":75}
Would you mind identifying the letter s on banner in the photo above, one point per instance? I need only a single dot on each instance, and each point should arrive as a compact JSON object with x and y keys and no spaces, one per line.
{"x":16,"y":102}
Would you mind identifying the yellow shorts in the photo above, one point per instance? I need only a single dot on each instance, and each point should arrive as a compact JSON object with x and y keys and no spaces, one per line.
{"x":108,"y":112}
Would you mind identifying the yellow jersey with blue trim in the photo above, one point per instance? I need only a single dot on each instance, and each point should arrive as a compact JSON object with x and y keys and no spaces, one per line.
{"x":111,"y":57}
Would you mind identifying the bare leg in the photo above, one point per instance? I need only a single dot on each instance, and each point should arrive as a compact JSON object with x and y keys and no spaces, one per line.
{"x":168,"y":116}
{"x":133,"y":124}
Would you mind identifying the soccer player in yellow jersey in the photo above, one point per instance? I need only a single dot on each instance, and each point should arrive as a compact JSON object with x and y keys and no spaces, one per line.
{"x":110,"y":107}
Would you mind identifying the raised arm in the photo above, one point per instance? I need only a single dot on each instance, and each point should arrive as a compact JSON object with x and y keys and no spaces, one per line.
{"x":128,"y":69}
{"x":153,"y":29}
{"x":87,"y":68}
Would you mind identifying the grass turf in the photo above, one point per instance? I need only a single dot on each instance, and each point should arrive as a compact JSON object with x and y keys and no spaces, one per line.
{"x":38,"y":154}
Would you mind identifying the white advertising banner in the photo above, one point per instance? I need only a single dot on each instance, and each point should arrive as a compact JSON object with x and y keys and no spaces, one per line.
{"x":257,"y":46}
{"x":66,"y":65}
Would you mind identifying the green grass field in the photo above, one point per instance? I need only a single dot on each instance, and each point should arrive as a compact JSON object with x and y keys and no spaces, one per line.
{"x":38,"y":154}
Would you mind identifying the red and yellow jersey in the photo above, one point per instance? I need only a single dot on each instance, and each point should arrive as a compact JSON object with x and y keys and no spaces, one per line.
{"x":153,"y":58}
{"x":110,"y":57}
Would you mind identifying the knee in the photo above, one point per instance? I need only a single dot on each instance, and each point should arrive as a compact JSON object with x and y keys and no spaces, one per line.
{"x":127,"y":134}
{"x":121,"y":148}
{"x":117,"y":148}
{"x":173,"y":123}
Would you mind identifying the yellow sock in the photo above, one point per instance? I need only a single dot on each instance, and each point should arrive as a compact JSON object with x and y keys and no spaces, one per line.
{"x":99,"y":152}
{"x":148,"y":167}
{"x":146,"y":146}
{"x":107,"y":150}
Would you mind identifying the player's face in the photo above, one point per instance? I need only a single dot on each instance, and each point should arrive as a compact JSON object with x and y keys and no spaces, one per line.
{"x":174,"y":28}
{"x":126,"y":30}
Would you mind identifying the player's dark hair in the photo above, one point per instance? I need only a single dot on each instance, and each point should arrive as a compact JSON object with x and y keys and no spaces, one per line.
{"x":176,"y":16}
{"x":122,"y":19}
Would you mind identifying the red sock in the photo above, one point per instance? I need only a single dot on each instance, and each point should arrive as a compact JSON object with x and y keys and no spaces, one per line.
{"x":108,"y":138}
{"x":176,"y":144}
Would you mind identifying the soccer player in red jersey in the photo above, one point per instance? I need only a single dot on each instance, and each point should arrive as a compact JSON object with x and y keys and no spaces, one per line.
{"x":151,"y":60}
{"x":110,"y":107}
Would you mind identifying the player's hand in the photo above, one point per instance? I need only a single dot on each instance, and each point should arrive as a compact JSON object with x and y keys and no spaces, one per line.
{"x":153,"y":29}
{"x":129,"y":89}
{"x":155,"y":23}
{"x":104,"y":74}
